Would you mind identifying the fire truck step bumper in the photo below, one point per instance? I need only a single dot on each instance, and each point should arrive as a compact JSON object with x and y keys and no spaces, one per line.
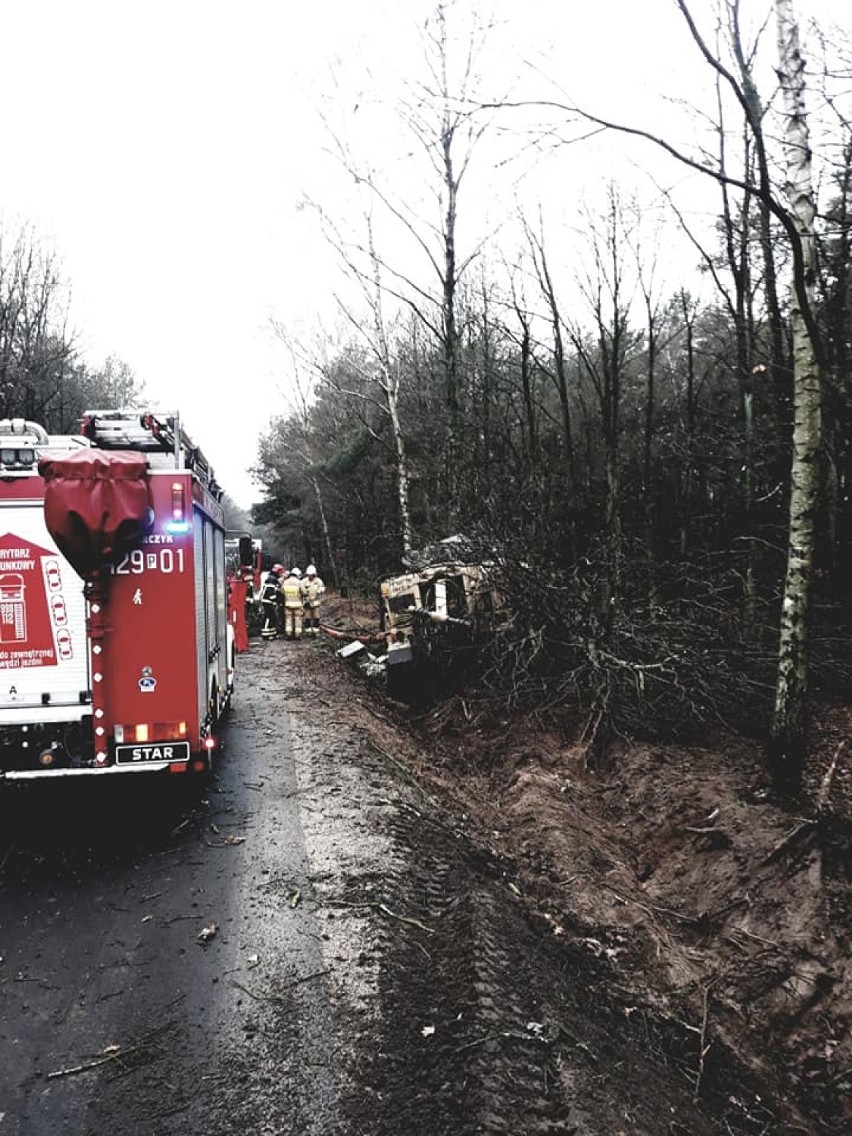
{"x":109,"y":770}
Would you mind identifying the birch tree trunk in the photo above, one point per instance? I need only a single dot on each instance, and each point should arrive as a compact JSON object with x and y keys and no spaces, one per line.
{"x":389,"y":383}
{"x":790,"y":718}
{"x":326,"y":535}
{"x":448,"y":313}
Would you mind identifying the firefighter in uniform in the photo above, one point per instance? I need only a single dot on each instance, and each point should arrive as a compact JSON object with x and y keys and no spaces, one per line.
{"x":312,"y":592}
{"x":292,"y":591}
{"x":270,"y":598}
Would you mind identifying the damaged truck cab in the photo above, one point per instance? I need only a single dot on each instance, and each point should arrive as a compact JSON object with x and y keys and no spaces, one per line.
{"x":434,"y":619}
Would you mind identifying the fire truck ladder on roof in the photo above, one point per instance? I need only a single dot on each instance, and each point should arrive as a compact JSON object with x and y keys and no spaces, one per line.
{"x":149,"y":432}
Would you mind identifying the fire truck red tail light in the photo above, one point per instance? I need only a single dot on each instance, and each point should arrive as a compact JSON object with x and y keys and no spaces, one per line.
{"x":199,"y":766}
{"x":178,"y":522}
{"x":169,"y":731}
{"x":150,"y":731}
{"x":178,"y":767}
{"x":178,"y":501}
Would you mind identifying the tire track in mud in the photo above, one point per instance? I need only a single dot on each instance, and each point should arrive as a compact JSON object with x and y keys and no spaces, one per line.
{"x":456,"y":1010}
{"x":528,"y":1036}
{"x":470,"y":1032}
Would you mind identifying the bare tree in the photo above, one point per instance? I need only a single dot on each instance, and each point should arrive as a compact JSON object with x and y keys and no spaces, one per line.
{"x":755,"y":114}
{"x":35,"y":348}
{"x":436,"y":114}
{"x":450,"y":148}
{"x":560,"y":370}
{"x":646,"y":279}
{"x":795,"y":215}
{"x":789,"y":723}
{"x":297,"y":444}
{"x":384,"y":376}
{"x":604,"y":356}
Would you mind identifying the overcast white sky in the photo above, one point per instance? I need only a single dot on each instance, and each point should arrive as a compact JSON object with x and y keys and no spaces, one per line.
{"x":163,"y":148}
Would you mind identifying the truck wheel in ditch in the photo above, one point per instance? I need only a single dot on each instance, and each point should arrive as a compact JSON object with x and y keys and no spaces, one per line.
{"x":400,"y":682}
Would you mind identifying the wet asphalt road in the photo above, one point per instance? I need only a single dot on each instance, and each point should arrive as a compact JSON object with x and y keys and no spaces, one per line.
{"x":309,"y":946}
{"x":161,"y":969}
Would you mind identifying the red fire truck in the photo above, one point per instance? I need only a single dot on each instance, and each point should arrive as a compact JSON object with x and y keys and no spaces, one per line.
{"x":116,"y":654}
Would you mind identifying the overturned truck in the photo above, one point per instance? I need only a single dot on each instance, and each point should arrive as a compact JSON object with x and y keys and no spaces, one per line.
{"x":436,"y":620}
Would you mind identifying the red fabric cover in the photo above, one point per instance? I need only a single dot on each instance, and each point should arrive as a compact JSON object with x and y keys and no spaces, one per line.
{"x":95,"y":505}
{"x":237,"y":591}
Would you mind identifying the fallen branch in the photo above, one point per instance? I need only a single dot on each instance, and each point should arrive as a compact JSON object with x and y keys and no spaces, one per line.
{"x":84,"y":1068}
{"x":477,"y":1041}
{"x":828,"y":780}
{"x":806,"y":827}
{"x":771,"y":943}
{"x":509,"y":1035}
{"x":111,"y":1053}
{"x":401,"y":805}
{"x":372,"y":710}
{"x":404,"y":770}
{"x":385,"y":911}
{"x":277,"y":995}
{"x":703,"y":1046}
{"x":652,"y":907}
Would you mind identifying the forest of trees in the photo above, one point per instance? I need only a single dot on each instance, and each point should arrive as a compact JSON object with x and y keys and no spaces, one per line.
{"x":656,"y":453}
{"x":43,"y":377}
{"x":663,"y":473}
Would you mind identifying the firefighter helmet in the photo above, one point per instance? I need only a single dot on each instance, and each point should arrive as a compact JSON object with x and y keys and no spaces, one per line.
{"x":278,"y":569}
{"x":295,"y":572}
{"x":311,"y":570}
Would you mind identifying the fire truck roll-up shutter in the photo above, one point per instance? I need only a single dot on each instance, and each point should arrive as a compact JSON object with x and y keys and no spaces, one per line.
{"x":95,"y":505}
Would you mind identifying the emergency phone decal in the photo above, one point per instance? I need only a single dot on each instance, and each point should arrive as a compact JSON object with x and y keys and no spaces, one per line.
{"x":33,"y":617}
{"x":147,"y":683}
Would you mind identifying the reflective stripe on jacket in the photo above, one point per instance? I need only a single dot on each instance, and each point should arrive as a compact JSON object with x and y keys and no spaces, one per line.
{"x":312,"y":590}
{"x":292,"y":591}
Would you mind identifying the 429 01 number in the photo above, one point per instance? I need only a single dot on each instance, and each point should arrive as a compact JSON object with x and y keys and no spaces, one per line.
{"x":166,"y":560}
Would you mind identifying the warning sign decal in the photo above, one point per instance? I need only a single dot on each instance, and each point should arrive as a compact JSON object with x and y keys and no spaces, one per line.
{"x":32,"y":607}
